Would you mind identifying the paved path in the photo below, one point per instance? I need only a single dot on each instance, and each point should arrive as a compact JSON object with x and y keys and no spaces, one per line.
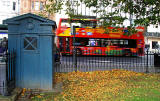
{"x":2,"y":77}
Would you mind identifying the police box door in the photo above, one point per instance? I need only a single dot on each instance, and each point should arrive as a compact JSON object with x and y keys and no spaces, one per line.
{"x":30,"y":60}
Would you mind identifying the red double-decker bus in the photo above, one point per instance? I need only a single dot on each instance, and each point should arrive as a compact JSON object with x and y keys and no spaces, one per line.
{"x":91,"y":39}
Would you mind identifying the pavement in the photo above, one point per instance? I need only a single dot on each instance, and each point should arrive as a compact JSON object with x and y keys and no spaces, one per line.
{"x":12,"y":97}
{"x":2,"y":77}
{"x":18,"y":96}
{"x":26,"y":96}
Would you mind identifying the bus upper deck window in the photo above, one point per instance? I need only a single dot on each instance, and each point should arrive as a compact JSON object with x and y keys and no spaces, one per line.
{"x":65,"y":25}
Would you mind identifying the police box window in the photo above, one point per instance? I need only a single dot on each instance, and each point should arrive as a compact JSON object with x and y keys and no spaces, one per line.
{"x":30,"y":43}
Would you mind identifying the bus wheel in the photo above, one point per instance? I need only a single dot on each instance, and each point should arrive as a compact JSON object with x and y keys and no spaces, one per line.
{"x":79,"y":52}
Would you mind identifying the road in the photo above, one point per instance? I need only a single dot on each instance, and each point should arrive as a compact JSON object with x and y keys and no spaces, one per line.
{"x":91,"y":63}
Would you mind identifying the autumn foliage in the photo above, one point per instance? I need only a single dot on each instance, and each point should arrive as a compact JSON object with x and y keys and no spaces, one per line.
{"x":103,"y":85}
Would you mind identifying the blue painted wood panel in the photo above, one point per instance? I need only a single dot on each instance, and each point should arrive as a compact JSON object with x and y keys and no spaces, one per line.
{"x":46,"y":61}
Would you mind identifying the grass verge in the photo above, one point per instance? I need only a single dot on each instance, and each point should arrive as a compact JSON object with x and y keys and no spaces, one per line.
{"x":114,"y":85}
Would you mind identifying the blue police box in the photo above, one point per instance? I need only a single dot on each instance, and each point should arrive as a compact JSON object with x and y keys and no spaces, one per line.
{"x":32,"y":38}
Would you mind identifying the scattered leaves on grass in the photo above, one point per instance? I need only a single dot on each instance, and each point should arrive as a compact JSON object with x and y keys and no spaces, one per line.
{"x":104,"y":85}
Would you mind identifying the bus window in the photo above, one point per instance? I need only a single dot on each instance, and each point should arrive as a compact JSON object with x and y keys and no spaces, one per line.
{"x":126,"y":42}
{"x":79,"y":23}
{"x":110,"y":43}
{"x":67,"y":44}
{"x":121,"y":42}
{"x":94,"y":42}
{"x":65,"y":24}
{"x":61,"y":41}
{"x":88,"y":42}
{"x":81,"y":41}
{"x":132,"y":43}
{"x":91,"y":24}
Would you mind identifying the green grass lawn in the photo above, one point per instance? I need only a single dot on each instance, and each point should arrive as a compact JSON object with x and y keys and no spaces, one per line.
{"x":115,"y":85}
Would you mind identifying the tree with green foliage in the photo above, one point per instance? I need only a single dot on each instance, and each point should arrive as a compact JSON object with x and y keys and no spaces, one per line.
{"x":112,"y":12}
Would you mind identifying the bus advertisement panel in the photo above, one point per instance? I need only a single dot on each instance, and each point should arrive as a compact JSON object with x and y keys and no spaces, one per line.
{"x":93,"y":40}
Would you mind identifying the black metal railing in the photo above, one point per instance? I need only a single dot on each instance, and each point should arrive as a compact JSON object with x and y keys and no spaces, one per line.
{"x":7,"y":75}
{"x":144,"y":63}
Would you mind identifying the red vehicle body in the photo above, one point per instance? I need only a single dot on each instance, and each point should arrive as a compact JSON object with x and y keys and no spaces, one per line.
{"x":93,"y":40}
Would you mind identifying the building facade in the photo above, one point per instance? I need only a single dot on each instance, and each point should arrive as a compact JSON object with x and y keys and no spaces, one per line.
{"x":9,"y":8}
{"x":33,"y":6}
{"x":152,"y":41}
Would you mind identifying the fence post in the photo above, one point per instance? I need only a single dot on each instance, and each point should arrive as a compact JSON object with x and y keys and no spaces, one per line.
{"x":74,"y":48}
{"x":7,"y":76}
{"x":147,"y":71}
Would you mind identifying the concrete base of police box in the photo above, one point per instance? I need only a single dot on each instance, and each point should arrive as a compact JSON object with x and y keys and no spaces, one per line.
{"x":13,"y":96}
